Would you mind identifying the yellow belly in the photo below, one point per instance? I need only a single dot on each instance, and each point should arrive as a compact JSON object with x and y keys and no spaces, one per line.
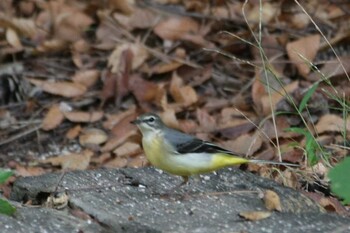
{"x":161,"y":157}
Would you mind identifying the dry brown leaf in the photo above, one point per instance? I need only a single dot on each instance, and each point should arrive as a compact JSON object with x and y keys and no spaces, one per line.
{"x":188,"y":126}
{"x":272,"y":200}
{"x":184,"y":95}
{"x":276,"y":96}
{"x":127,"y":149}
{"x":255,"y":215}
{"x":165,"y":67}
{"x":80,"y":116}
{"x":245,"y":144}
{"x":331,"y":204}
{"x":92,"y":136}
{"x":288,"y":178}
{"x":51,"y":46}
{"x":53,"y":118}
{"x":139,"y":54}
{"x":25,"y":27}
{"x":143,"y":90}
{"x":29,"y":171}
{"x":13,"y":39}
{"x":109,"y":89}
{"x":72,"y":161}
{"x":117,"y":162}
{"x":176,"y":28}
{"x":142,"y":18}
{"x":269,"y":129}
{"x":68,"y":22}
{"x":121,"y":132}
{"x":258,"y":90}
{"x":307,"y":47}
{"x":114,"y":119}
{"x":207,"y":123}
{"x":101,"y":158}
{"x":332,"y":123}
{"x":138,"y":161}
{"x":125,"y":6}
{"x":74,"y":132}
{"x":169,"y":118}
{"x":65,"y":89}
{"x":332,"y":68}
{"x":264,"y":13}
{"x":86,"y":77}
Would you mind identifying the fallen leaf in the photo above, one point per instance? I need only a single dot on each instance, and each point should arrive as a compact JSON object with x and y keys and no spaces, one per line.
{"x":114,"y":119}
{"x":109,"y":89}
{"x":176,"y":28}
{"x":117,"y":162}
{"x":72,"y":161}
{"x":332,"y":68}
{"x":207,"y":123}
{"x":51,"y":46}
{"x":101,"y":158}
{"x":142,"y":18}
{"x":268,"y":101}
{"x":184,"y":95}
{"x":306,"y":47}
{"x":125,"y":6}
{"x":13,"y":39}
{"x":262,"y":13}
{"x":24,"y":171}
{"x":127,"y":149}
{"x":22,"y":26}
{"x":80,"y":116}
{"x":53,"y":118}
{"x":120,"y":133}
{"x":332,"y":123}
{"x":272,"y":200}
{"x":331,"y":204}
{"x":169,"y":118}
{"x":254,"y":215}
{"x":74,"y":132}
{"x":67,"y":22}
{"x":86,"y":77}
{"x":92,"y":136}
{"x":143,"y":90}
{"x":139,"y":54}
{"x":63,"y":88}
{"x":244,"y":145}
{"x":138,"y":161}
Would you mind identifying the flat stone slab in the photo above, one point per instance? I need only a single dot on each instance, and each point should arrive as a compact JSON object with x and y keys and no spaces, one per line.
{"x":142,"y":200}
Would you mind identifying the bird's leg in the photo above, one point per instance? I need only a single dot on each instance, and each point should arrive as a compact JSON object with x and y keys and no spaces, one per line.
{"x":185,"y":181}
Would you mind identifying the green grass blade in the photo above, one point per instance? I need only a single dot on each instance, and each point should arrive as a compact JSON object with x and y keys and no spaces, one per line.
{"x":307,"y":97}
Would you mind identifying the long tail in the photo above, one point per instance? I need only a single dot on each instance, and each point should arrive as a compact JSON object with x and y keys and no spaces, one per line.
{"x":272,"y":163}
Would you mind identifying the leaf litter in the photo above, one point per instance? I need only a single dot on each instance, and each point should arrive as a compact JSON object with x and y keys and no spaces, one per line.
{"x":93,"y":67}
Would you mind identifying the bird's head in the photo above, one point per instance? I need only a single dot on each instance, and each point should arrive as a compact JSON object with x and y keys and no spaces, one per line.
{"x":148,"y":122}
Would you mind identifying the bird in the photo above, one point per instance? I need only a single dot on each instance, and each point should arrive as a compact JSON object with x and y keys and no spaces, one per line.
{"x":182,"y":154}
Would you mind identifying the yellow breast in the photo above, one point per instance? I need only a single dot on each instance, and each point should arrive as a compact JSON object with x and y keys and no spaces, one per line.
{"x":153,"y":149}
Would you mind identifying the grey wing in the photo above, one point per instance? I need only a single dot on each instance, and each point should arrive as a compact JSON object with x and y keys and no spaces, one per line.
{"x":184,"y":143}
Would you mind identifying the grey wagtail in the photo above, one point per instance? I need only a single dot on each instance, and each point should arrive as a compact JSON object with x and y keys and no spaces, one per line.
{"x":182,"y":154}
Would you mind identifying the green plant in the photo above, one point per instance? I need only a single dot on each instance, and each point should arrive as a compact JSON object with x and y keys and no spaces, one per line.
{"x":339,"y":176}
{"x":5,"y":207}
{"x":311,"y":145}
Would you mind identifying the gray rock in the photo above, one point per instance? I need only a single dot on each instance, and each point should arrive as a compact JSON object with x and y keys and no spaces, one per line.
{"x":34,"y":219}
{"x":142,"y":200}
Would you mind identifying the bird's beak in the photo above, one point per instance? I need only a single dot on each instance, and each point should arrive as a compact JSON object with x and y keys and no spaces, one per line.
{"x":135,"y":122}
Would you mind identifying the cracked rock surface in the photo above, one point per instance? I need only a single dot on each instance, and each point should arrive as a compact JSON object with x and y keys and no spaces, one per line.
{"x":144,"y":200}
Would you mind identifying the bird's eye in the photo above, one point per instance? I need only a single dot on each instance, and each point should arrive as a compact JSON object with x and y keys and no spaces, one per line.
{"x":151,"y":119}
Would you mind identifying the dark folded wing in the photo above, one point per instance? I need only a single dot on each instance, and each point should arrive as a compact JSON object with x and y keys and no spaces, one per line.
{"x":184,"y":143}
{"x":199,"y":146}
